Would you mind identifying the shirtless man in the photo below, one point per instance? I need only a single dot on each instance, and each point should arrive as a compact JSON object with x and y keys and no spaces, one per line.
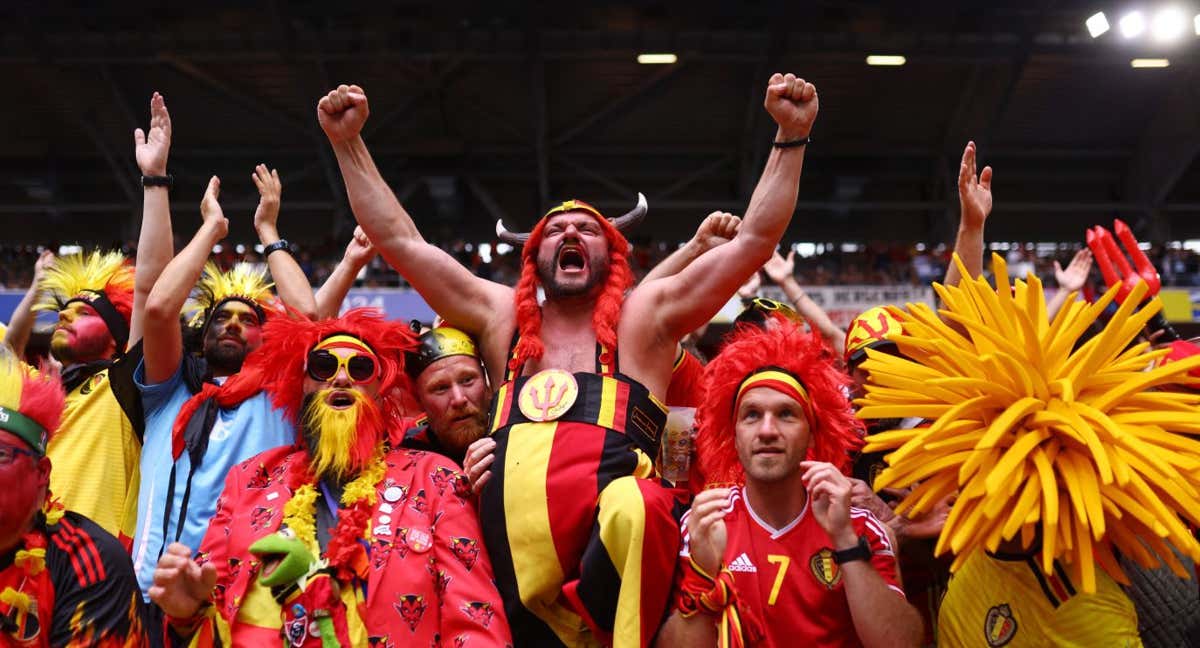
{"x":572,"y":517}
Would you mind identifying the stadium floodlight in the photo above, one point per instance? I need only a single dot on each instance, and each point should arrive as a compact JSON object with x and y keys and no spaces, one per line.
{"x":1168,"y":24}
{"x":886,"y":59}
{"x":1097,"y":25}
{"x":1196,"y":22}
{"x":1149,"y":63}
{"x":656,"y":59}
{"x":1132,"y":24}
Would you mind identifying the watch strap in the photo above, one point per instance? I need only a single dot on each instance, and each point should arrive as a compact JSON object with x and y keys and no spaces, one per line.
{"x":860,"y":551}
{"x":281,"y":244}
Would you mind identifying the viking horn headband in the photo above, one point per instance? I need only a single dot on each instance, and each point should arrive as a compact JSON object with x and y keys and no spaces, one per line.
{"x":622,"y":223}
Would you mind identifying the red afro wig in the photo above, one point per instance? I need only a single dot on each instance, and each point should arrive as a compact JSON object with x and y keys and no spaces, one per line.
{"x":784,"y":345}
{"x":277,"y":366}
{"x":37,"y":395}
{"x":287,"y":340}
{"x":607,"y":312}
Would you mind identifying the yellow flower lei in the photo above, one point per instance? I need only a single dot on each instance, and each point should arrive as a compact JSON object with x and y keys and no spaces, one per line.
{"x":299,"y":514}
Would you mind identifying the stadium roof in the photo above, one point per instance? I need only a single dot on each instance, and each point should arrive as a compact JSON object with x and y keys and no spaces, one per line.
{"x":499,"y":110}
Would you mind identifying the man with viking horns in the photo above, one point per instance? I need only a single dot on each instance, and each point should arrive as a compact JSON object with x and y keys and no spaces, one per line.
{"x":578,"y":531}
{"x":340,"y":539}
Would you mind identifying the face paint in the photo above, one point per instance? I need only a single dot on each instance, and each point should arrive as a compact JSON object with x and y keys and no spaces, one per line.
{"x":80,"y":335}
{"x":23,"y":483}
{"x":233,"y":331}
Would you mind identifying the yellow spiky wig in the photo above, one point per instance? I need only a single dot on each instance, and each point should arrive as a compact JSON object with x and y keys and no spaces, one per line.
{"x":243,"y":282}
{"x":102,"y":279}
{"x":1067,"y":449}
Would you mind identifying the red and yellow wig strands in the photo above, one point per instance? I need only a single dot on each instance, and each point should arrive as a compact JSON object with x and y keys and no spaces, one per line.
{"x":607,"y":311}
{"x":38,"y":395}
{"x":784,"y":347}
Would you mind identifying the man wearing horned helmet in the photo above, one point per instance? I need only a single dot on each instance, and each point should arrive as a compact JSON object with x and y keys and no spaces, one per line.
{"x":573,"y":519}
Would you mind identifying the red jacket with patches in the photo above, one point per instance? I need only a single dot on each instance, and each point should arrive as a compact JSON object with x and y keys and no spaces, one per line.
{"x":427,"y":574}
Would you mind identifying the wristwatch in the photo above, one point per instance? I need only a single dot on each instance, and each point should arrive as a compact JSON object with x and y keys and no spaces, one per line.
{"x":860,"y":551}
{"x":281,"y":244}
{"x":158,"y":181}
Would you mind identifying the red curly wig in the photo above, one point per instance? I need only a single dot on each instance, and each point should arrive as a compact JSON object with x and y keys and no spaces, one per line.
{"x":277,"y":366}
{"x":836,"y":432}
{"x":287,"y":341}
{"x":607,"y":311}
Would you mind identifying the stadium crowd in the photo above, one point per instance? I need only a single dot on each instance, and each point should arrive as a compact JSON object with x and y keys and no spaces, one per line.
{"x":215,"y":456}
{"x":871,"y":263}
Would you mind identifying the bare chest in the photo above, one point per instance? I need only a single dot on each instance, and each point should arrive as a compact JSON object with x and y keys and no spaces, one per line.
{"x":573,"y":351}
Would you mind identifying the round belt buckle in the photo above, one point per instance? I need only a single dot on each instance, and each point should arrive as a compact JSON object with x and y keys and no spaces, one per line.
{"x":547,"y":395}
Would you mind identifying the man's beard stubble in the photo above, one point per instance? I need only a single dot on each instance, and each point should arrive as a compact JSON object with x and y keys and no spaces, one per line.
{"x":223,"y":360}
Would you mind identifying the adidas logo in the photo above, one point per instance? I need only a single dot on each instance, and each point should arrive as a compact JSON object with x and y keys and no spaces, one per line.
{"x":742,"y":564}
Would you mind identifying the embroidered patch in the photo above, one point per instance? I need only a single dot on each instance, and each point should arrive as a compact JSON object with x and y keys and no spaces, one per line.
{"x":824,"y":569}
{"x":1000,"y":626}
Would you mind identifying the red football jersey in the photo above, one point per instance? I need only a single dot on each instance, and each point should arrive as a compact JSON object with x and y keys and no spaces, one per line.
{"x":687,"y":381}
{"x":787,"y":582}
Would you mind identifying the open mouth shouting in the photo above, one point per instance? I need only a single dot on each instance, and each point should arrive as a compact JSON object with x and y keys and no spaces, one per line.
{"x":339,"y":399}
{"x":571,"y":258}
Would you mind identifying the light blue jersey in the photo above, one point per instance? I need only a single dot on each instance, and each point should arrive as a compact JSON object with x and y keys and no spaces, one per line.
{"x":237,"y":435}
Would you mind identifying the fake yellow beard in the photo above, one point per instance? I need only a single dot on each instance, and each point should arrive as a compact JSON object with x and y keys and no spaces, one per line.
{"x":340,"y":440}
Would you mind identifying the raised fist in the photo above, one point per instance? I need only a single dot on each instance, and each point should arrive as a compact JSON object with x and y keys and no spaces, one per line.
{"x":718,"y":228}
{"x":151,"y":149}
{"x":793,"y":105}
{"x":210,"y":209}
{"x":360,"y":250}
{"x":180,"y":585}
{"x":342,"y":113}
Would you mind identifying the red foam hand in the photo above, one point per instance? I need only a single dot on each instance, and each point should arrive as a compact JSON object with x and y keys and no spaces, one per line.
{"x":1114,"y":265}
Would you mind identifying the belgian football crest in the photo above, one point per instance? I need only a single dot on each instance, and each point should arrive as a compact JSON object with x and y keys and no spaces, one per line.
{"x":825,"y":569}
{"x":1000,"y":626}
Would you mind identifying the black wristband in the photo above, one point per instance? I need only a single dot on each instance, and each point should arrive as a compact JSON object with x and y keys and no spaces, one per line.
{"x":792,"y":143}
{"x":167,"y":181}
{"x":281,"y":244}
{"x":860,"y":551}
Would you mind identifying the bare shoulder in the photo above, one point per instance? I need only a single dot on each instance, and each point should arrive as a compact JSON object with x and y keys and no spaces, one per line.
{"x":496,"y":338}
{"x":647,"y":355}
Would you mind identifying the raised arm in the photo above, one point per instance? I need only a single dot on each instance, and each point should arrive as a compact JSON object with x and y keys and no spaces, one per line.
{"x":155,"y":241}
{"x":163,"y":339}
{"x":359,"y":252}
{"x":781,"y":270}
{"x":717,"y":228}
{"x":1070,"y":281}
{"x":678,"y":304}
{"x":290,"y":283}
{"x":20,"y":325}
{"x":470,"y":302}
{"x":975,"y":203}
